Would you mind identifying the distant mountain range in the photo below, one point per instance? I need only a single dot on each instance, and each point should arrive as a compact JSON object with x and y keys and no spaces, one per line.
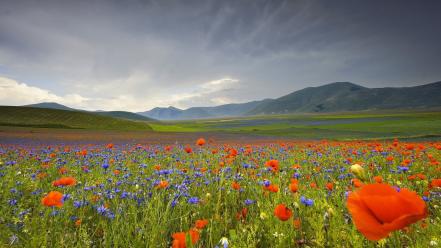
{"x":333,"y":97}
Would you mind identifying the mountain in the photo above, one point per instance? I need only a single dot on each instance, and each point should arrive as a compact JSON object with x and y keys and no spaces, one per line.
{"x":57,"y":118}
{"x":49,"y":105}
{"x":117,"y":114}
{"x":345,"y":96}
{"x":170,"y":113}
{"x":226,"y":110}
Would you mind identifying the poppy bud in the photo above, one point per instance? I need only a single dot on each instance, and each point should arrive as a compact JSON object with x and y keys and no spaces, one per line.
{"x":358,"y":171}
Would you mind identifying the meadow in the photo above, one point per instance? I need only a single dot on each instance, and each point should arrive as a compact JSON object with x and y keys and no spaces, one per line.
{"x":206,"y":193}
{"x":341,"y":126}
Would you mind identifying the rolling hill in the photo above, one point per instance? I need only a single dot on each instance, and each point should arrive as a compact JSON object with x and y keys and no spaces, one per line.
{"x":333,"y":97}
{"x":117,"y":114}
{"x":49,"y":105}
{"x":57,"y":118}
{"x":124,"y":115}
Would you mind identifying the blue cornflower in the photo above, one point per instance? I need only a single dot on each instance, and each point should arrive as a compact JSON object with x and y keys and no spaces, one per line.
{"x":193,"y":200}
{"x":248,"y":202}
{"x":306,"y":202}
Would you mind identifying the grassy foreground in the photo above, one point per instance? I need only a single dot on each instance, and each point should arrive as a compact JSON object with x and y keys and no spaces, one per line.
{"x":151,"y":196}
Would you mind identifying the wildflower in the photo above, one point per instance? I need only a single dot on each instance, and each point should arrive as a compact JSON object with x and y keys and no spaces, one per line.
{"x":200,"y":224}
{"x":297,"y":223}
{"x":224,"y":242}
{"x":273,"y":164}
{"x":188,"y":149}
{"x":306,"y":202}
{"x":378,"y":209}
{"x":65,"y":181}
{"x":200,"y":142}
{"x":162,"y":185}
{"x":435,"y":183}
{"x":248,"y":202}
{"x":179,"y":238}
{"x":330,"y":186}
{"x":54,"y":198}
{"x":294,"y":186}
{"x":358,"y":171}
{"x":378,"y":179}
{"x":235,"y":186}
{"x":282,"y":212}
{"x":193,"y":200}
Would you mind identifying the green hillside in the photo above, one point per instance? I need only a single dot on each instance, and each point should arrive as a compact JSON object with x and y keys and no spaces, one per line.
{"x":56,"y":118}
{"x":345,"y":96}
{"x":124,"y":115}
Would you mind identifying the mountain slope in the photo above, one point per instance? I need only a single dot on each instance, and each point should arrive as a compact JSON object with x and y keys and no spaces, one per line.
{"x":56,"y":118}
{"x":226,"y":110}
{"x":124,"y":115}
{"x":117,"y":114}
{"x":49,"y":105}
{"x":345,"y":96}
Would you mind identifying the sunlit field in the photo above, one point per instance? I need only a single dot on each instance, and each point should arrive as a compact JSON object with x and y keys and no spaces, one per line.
{"x":211,"y":194}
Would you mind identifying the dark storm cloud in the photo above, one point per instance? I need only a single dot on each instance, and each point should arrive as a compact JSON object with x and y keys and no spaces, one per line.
{"x":139,"y":54}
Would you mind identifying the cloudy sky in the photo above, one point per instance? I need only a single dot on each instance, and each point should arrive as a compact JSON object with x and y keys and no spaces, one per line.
{"x":136,"y":55}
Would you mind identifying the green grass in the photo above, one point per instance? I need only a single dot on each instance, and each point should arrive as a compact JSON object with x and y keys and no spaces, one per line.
{"x":342,"y":126}
{"x":334,"y":126}
{"x":55,"y":118}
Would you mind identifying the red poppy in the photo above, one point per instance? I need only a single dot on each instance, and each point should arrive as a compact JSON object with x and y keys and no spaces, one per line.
{"x":294,"y":187}
{"x":180,"y":237}
{"x":54,"y":198}
{"x":200,"y":224}
{"x":235,"y":186}
{"x":378,"y":179}
{"x":65,"y":181}
{"x":188,"y":149}
{"x":162,"y":185}
{"x":378,"y":209}
{"x":282,"y":212}
{"x":272,"y":187}
{"x":436,"y":183}
{"x":273,"y":164}
{"x":200,"y":142}
{"x":330,"y":186}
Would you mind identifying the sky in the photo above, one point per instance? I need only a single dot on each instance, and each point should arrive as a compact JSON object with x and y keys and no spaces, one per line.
{"x":137,"y":55}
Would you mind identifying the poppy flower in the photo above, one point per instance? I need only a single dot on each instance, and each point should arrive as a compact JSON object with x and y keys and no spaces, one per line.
{"x":200,"y":224}
{"x":54,"y":198}
{"x":435,"y":183}
{"x":180,"y":237}
{"x":378,"y":179}
{"x":330,"y":186}
{"x":235,"y":186}
{"x":242,"y":214}
{"x":273,"y":164}
{"x":162,"y":185}
{"x":272,"y":187}
{"x":200,"y":142}
{"x":378,"y":209}
{"x":293,"y":187}
{"x":282,"y":212}
{"x":65,"y":181}
{"x":188,"y":149}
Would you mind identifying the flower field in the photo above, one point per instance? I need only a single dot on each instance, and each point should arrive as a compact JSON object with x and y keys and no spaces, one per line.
{"x":205,"y":194}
